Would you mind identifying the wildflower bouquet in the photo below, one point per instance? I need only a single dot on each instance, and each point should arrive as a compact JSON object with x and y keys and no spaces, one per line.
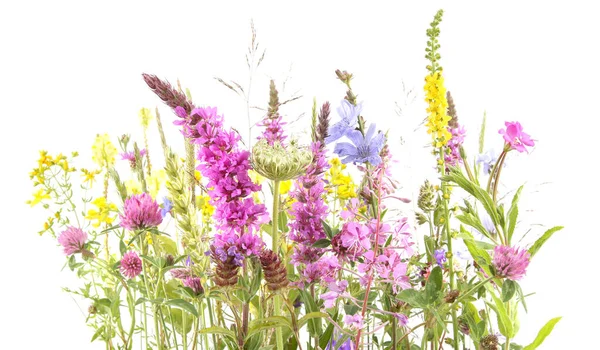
{"x":289,"y":244}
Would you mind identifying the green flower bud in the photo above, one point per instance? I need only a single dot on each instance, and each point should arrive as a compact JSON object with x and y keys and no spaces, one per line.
{"x":280,"y":163}
{"x":426,"y":196}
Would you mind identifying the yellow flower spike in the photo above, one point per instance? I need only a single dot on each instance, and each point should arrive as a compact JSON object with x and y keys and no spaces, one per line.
{"x":39,"y":196}
{"x":145,"y":117}
{"x":154,"y":182}
{"x":103,"y":151}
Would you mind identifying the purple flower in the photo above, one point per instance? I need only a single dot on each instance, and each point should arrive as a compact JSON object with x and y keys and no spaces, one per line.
{"x":73,"y":240}
{"x":166,"y":207}
{"x":363,"y":149}
{"x":458,"y":137}
{"x":195,"y":284}
{"x":348,"y":345}
{"x":510,"y":262}
{"x":515,"y":137}
{"x":140,"y":212}
{"x":131,"y":265}
{"x":354,"y":321}
{"x":440,"y":256}
{"x":335,"y":290}
{"x":488,"y":159}
{"x":402,"y":319}
{"x":130,"y":156}
{"x":349,"y":114}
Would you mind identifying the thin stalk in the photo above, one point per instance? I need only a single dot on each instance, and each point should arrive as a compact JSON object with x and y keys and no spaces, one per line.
{"x":275,"y":237}
{"x":470,"y":291}
{"x":449,"y":242}
{"x":190,"y":165}
{"x":507,"y":342}
{"x":184,"y":333}
{"x":195,"y":333}
{"x":394,"y":325}
{"x":245,"y":307}
{"x":497,"y":180}
{"x":312,"y":294}
{"x":205,"y":336}
{"x":212,"y":322}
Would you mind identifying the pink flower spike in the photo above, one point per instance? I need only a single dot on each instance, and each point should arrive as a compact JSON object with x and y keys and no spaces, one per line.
{"x":73,"y":240}
{"x":515,"y":137}
{"x":510,"y":262}
{"x":131,"y":265}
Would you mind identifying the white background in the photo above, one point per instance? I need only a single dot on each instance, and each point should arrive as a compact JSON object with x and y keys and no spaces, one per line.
{"x":71,"y":70}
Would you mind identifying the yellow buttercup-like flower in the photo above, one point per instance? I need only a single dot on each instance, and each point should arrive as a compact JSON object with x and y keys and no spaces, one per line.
{"x":103,"y":151}
{"x":284,"y":187}
{"x":104,"y":214}
{"x":89,"y":176}
{"x":39,"y":196}
{"x":339,"y":183}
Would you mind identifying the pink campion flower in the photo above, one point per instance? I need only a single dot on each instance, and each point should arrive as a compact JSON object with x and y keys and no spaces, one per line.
{"x":139,"y":212}
{"x":510,"y":262}
{"x":355,"y":235}
{"x":515,"y":137}
{"x":353,"y":321}
{"x":131,"y":265}
{"x":73,"y":240}
{"x":335,"y":290}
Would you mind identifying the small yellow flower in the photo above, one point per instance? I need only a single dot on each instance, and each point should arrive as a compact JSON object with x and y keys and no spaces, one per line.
{"x":154,"y":182}
{"x":90,"y":176}
{"x":104,"y":214}
{"x":284,"y":187}
{"x":133,"y":186}
{"x":39,"y":196}
{"x":145,"y":117}
{"x":206,"y":208}
{"x":197,"y":175}
{"x":103,"y":151}
{"x":256,"y":177}
{"x":339,"y":182}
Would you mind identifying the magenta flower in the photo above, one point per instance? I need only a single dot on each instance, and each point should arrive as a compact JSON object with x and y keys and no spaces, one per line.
{"x":354,"y":321}
{"x":510,"y":262}
{"x":140,"y":212}
{"x":195,"y":284}
{"x":131,"y":265}
{"x":515,"y":137}
{"x":130,"y":156}
{"x":73,"y":240}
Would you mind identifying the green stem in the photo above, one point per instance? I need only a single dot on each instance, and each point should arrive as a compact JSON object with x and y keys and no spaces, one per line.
{"x":275,"y":237}
{"x":205,"y":336}
{"x":212,"y":322}
{"x":470,"y":291}
{"x":497,"y":179}
{"x":184,"y":333}
{"x":445,"y":194}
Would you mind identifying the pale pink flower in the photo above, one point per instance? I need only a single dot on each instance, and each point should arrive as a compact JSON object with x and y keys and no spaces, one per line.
{"x":131,"y":264}
{"x":73,"y":240}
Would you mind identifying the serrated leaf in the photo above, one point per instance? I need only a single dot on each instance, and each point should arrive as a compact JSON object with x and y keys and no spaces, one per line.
{"x":540,"y":242}
{"x":184,"y":305}
{"x":543,"y":333}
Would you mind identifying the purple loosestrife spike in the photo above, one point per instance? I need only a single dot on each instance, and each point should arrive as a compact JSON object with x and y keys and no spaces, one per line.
{"x":73,"y":240}
{"x":510,"y":262}
{"x":140,"y":212}
{"x":170,"y":96}
{"x":131,"y":265}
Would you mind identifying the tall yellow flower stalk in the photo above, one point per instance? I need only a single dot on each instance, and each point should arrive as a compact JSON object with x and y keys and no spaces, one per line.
{"x":103,"y":154}
{"x":437,"y":120}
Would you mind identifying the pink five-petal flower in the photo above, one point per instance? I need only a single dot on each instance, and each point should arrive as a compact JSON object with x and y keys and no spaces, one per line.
{"x":131,"y":264}
{"x":73,"y":240}
{"x":515,"y":137}
{"x":354,"y":321}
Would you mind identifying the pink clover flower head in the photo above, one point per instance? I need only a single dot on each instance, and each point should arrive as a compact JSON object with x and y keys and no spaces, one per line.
{"x":195,"y":284}
{"x":353,"y":321}
{"x":73,"y":240}
{"x":510,"y":262}
{"x":131,"y":265}
{"x":515,"y":137}
{"x":140,"y":212}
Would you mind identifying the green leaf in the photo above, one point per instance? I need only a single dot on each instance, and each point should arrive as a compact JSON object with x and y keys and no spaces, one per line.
{"x":474,"y":222}
{"x":327,"y":229}
{"x":412,"y":297}
{"x":167,"y":244}
{"x":513,"y":214}
{"x":262,"y":324}
{"x":98,"y":332}
{"x":315,"y":326}
{"x":311,"y":315}
{"x":326,"y":337}
{"x":218,"y":330}
{"x":481,"y":256}
{"x":540,"y":242}
{"x":509,"y":288}
{"x":322,"y":243}
{"x":504,"y":324}
{"x":482,"y":133}
{"x":184,"y":305}
{"x":543,"y":333}
{"x":434,"y":285}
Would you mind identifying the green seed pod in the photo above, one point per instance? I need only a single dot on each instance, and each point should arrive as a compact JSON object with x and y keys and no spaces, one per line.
{"x":276,"y":162}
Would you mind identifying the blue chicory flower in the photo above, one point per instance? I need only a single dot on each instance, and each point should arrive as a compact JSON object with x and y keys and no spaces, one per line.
{"x":167,"y":206}
{"x":349,"y":114}
{"x":363,"y":149}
